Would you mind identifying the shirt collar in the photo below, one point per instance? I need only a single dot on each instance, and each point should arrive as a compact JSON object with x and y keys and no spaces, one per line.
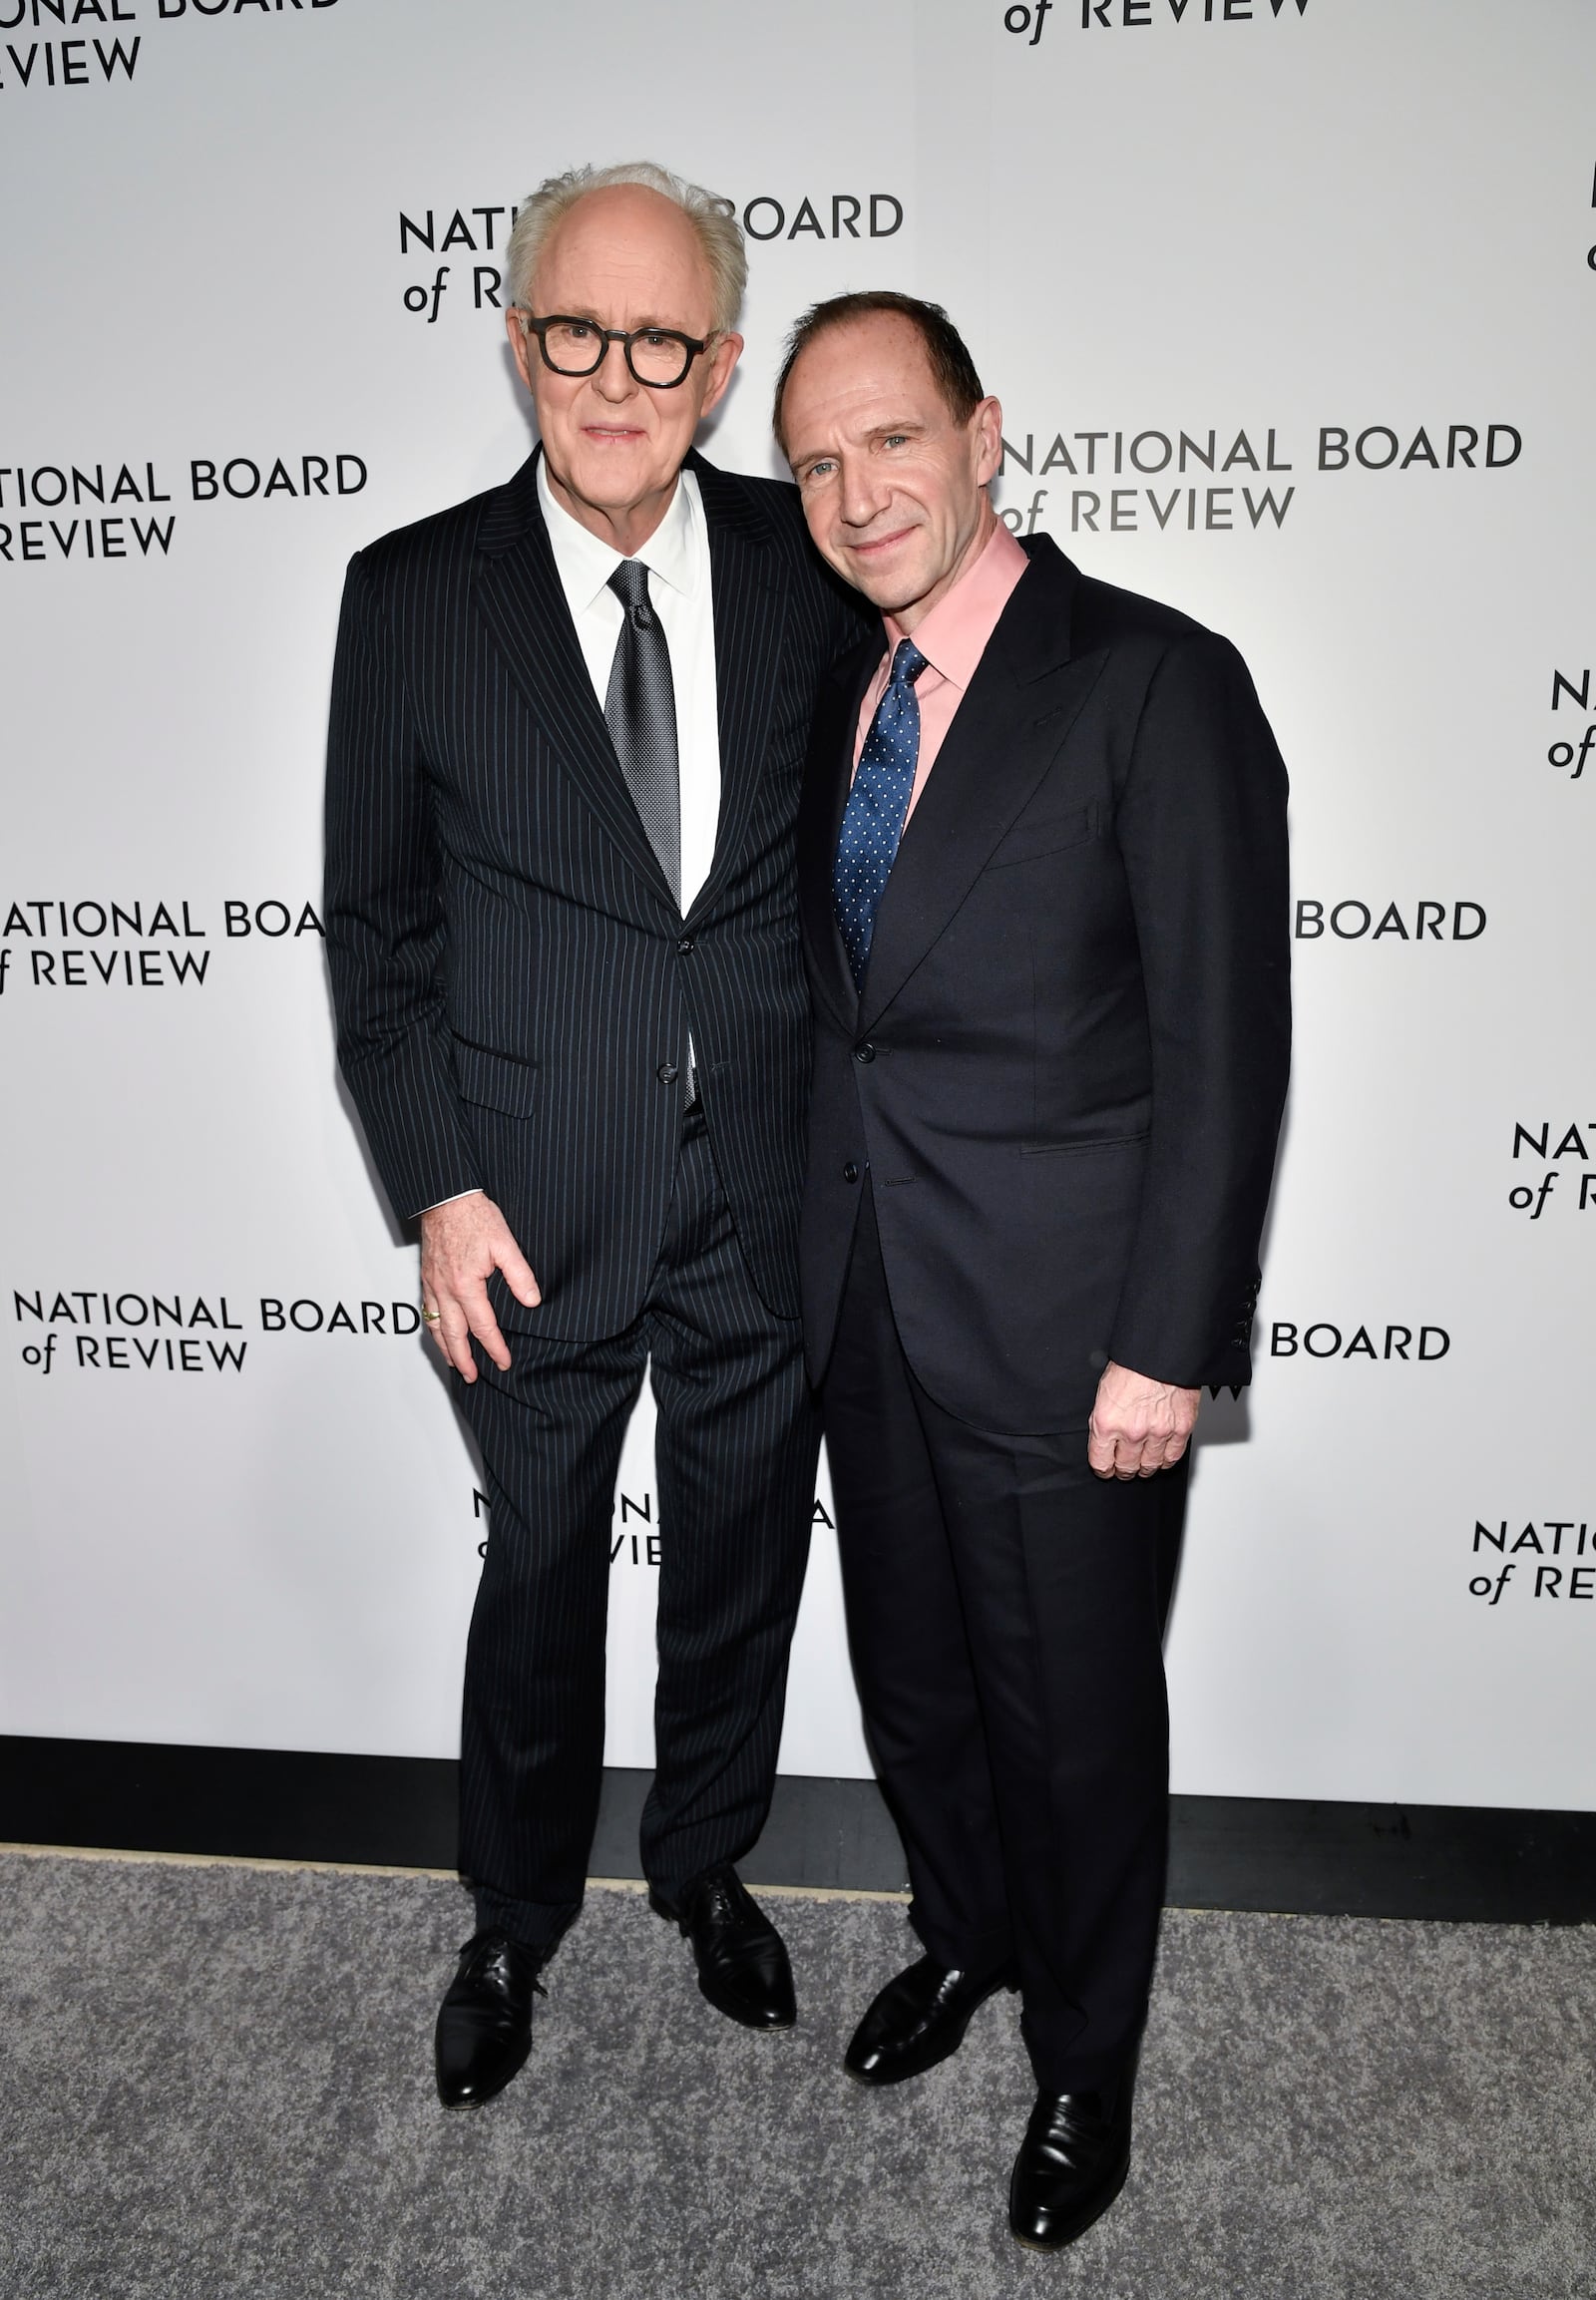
{"x":952,"y":638}
{"x":675,"y":550}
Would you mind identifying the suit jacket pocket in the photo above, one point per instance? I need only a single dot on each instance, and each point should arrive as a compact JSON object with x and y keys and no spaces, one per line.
{"x":1068,"y":1149}
{"x":1036,"y":834}
{"x":496,"y":1081}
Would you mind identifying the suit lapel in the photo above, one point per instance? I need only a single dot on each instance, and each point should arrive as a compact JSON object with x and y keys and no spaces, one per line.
{"x":820,"y":811}
{"x":1019,"y":707}
{"x":519,"y":592}
{"x":748,"y":588}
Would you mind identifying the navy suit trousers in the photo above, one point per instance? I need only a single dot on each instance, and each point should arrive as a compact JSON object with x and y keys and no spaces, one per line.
{"x":1004,"y":1610}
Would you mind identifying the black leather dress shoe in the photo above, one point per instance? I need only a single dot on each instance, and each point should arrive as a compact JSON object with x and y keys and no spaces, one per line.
{"x":742,"y":1963}
{"x":1071,"y":2165}
{"x":917,"y":2021}
{"x":485,"y":2020}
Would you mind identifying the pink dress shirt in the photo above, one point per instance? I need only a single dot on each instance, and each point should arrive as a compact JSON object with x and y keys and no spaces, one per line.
{"x":952,"y":639}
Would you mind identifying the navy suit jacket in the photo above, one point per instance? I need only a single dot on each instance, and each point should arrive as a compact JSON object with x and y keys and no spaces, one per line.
{"x":512,"y":981}
{"x":1066,"y":1069}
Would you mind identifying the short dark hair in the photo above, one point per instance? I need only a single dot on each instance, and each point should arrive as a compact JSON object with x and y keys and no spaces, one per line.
{"x":946,"y":353}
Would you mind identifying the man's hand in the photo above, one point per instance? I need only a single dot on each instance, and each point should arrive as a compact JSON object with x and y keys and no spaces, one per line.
{"x":462,"y":1243}
{"x":1138,"y":1426}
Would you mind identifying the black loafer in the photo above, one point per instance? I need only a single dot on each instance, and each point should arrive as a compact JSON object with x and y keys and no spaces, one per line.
{"x":484,"y":2028}
{"x":742,"y":1963}
{"x":1071,"y":2165}
{"x":917,"y":2020}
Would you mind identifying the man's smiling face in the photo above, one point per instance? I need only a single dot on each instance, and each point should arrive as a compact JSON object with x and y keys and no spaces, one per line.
{"x":893,"y":488}
{"x":625,"y":257}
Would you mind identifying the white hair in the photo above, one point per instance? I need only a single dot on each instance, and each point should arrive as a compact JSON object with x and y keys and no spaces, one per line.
{"x":714,"y":220}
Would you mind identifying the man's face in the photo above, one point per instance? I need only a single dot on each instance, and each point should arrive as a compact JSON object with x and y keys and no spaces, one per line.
{"x":893,"y":488}
{"x":625,"y":257}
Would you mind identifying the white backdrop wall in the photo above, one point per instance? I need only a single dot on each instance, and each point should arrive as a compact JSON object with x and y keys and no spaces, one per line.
{"x":1289,"y":304}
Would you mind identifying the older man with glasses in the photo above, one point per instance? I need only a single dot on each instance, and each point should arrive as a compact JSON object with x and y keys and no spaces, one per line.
{"x":568,"y":722}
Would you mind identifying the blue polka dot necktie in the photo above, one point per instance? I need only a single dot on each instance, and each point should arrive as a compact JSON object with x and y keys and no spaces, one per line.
{"x":873,"y":821}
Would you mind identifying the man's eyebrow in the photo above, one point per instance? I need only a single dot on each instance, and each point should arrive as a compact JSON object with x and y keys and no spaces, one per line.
{"x":638,"y":328}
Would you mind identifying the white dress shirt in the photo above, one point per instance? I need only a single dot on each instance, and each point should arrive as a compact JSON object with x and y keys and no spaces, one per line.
{"x":676,"y":556}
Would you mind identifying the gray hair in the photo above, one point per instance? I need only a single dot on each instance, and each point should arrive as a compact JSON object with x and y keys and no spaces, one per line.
{"x":714,"y":220}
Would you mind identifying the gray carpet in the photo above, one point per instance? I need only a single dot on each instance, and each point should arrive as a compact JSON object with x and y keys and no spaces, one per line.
{"x":215,"y":2082}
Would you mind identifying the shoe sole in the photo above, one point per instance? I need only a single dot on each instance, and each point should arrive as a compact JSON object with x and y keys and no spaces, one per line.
{"x":1078,"y":2228}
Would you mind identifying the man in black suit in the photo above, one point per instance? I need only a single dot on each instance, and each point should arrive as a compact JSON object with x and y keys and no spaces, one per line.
{"x":1043,"y":872}
{"x":568,"y":722}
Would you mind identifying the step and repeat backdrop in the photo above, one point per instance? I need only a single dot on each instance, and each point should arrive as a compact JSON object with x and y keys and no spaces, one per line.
{"x":1290,"y":307}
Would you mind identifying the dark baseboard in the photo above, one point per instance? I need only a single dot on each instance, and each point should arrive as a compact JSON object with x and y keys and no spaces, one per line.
{"x":1477,"y":1864}
{"x":253,"y":1804}
{"x":1455,"y":1862}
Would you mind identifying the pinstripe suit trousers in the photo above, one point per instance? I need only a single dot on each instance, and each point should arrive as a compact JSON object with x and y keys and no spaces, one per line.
{"x":737,"y":1441}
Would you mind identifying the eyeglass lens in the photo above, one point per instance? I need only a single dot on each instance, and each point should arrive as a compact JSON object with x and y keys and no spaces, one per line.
{"x":576,"y":347}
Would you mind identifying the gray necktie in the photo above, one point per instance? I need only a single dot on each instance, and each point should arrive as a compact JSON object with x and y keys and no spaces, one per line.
{"x":641,"y":712}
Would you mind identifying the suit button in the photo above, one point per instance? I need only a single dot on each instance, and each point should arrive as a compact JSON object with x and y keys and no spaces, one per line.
{"x":864,"y":1052}
{"x":850,"y":1172}
{"x":684,"y":945}
{"x":667,"y":1074}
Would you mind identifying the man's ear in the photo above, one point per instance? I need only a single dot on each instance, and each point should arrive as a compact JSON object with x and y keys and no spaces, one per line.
{"x":723,"y":359}
{"x":987,"y":433}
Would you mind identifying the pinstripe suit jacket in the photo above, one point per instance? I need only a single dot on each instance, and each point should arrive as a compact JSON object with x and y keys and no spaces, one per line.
{"x":511,"y":974}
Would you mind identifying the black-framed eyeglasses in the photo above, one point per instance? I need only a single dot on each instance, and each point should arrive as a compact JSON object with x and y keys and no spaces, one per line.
{"x":658,"y":356}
